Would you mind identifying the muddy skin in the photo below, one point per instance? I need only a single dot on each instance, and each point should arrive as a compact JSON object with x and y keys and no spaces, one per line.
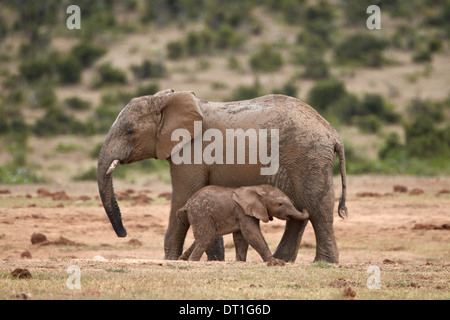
{"x":308,"y":145}
{"x":214,"y":211}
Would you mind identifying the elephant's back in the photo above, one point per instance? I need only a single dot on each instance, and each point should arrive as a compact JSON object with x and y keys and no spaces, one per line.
{"x":274,"y":109}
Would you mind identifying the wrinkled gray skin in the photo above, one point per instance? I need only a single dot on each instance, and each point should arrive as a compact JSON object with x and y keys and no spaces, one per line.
{"x":214,"y":211}
{"x":308,"y":146}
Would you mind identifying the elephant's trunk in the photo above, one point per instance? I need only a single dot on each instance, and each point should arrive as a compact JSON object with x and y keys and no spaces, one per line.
{"x":299,"y":215}
{"x":105,"y":167}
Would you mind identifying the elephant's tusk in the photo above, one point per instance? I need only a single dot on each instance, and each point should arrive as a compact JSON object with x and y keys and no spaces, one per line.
{"x":112,"y":167}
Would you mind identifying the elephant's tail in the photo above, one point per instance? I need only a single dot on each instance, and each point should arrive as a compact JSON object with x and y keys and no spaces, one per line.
{"x":342,"y":209}
{"x":182,"y":216}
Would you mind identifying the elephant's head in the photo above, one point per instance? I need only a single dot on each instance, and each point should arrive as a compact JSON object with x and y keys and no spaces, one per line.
{"x":265,"y":202}
{"x":143,"y":130}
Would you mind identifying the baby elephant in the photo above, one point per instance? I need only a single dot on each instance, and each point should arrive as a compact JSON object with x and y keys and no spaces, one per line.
{"x":214,"y":211}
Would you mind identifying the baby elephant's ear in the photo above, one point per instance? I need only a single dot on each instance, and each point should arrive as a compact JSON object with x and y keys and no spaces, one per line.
{"x":249,"y":199}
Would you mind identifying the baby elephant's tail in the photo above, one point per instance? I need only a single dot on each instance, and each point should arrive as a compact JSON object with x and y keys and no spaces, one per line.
{"x":182,"y":216}
{"x":342,"y":209}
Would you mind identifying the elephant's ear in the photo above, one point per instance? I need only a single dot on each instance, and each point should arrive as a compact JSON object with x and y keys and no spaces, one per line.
{"x":179,"y":111}
{"x":250,"y":200}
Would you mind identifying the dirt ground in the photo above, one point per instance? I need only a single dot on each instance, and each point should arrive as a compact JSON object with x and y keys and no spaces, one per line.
{"x":393,"y":221}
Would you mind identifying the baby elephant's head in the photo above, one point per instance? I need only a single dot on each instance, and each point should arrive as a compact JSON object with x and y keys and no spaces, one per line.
{"x":265,"y":202}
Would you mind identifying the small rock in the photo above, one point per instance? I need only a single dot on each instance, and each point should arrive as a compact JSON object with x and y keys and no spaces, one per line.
{"x":25,"y":254}
{"x":134,"y":242}
{"x":22,"y":296}
{"x":21,"y":273}
{"x":349,"y":292}
{"x":37,"y":238}
{"x":400,"y":188}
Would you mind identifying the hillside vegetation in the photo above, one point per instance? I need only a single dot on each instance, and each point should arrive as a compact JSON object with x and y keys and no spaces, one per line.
{"x":386,"y":91}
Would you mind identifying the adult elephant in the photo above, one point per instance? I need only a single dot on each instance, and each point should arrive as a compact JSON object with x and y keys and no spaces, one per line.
{"x":307,"y":146}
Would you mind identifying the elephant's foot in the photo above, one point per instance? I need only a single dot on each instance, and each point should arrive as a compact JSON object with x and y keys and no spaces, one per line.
{"x":275,"y":262}
{"x":328,"y":258}
{"x":216,"y":251}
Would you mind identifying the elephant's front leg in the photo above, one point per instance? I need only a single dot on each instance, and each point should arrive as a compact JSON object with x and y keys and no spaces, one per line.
{"x":186,"y":180}
{"x":287,"y":249}
{"x":175,"y":234}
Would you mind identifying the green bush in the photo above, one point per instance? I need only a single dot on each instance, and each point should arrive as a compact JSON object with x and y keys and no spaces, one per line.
{"x":175,"y":49}
{"x":68,"y":69}
{"x":316,"y":67}
{"x":227,"y":38}
{"x":32,"y":70}
{"x":368,"y":123}
{"x":427,"y":143}
{"x":244,"y":92}
{"x":76,"y":103}
{"x":288,"y":89}
{"x":148,"y":69}
{"x":266,"y":59}
{"x":325,"y":93}
{"x":87,"y":53}
{"x":107,"y":75}
{"x":361,"y":49}
{"x":422,"y":55}
{"x":56,"y":122}
{"x":147,"y":89}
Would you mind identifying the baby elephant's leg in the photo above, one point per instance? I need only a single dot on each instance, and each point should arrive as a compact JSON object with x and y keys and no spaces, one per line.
{"x":241,"y":246}
{"x":204,"y":235}
{"x":252,"y":234}
{"x":188,"y":252}
{"x":200,"y":247}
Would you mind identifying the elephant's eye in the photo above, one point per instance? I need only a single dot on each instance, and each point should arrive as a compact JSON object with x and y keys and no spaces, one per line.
{"x":280,"y":204}
{"x":129,"y":132}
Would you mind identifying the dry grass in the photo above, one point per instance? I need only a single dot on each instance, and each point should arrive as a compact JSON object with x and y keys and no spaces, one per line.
{"x":402,"y":234}
{"x":144,"y":279}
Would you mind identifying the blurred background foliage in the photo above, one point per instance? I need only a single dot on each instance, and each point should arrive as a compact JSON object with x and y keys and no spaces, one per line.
{"x":57,"y":83}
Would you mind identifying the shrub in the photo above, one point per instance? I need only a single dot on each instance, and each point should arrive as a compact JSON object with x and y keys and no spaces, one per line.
{"x":33,"y":70}
{"x":227,"y":38}
{"x":76,"y":103}
{"x":374,"y":104}
{"x":288,"y":89}
{"x":194,"y":43}
{"x":56,"y":122}
{"x":391,"y":147}
{"x":325,"y":93}
{"x":147,"y":89}
{"x":175,"y":50}
{"x":148,"y":69}
{"x":368,"y":123}
{"x":69,"y":69}
{"x":316,"y":67}
{"x":246,"y":92}
{"x":266,"y":59}
{"x":422,"y":55}
{"x":361,"y":48}
{"x":87,"y":53}
{"x":109,"y":75}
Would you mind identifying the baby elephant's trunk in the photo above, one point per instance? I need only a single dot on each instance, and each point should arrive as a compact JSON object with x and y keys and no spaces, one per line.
{"x":299,"y":215}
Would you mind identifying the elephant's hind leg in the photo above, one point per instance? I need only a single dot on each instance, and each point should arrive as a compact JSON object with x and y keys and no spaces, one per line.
{"x":241,"y":246}
{"x":200,"y":248}
{"x":188,"y":252}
